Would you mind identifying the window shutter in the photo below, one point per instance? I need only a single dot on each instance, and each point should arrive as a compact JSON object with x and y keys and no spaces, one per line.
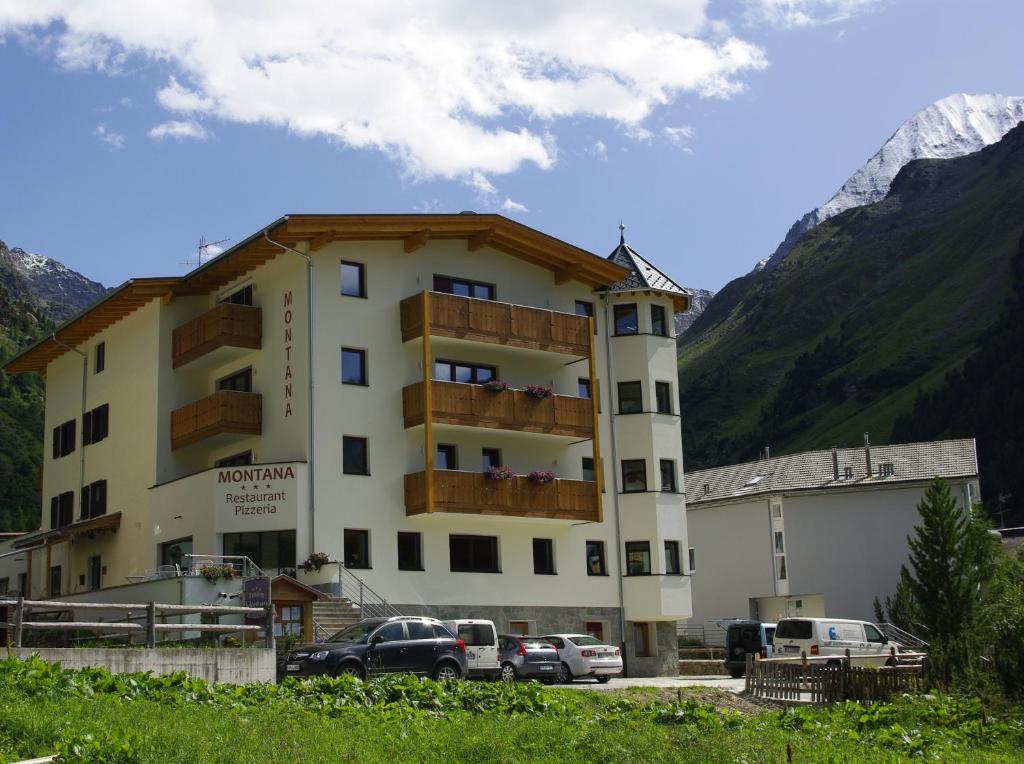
{"x":86,"y":508}
{"x":86,"y":428}
{"x":102,"y":422}
{"x":56,"y":442}
{"x":99,"y":499}
{"x":54,"y":512}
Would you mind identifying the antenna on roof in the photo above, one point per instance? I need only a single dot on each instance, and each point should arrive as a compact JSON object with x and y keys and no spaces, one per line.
{"x":622,"y":233}
{"x":203,"y":251}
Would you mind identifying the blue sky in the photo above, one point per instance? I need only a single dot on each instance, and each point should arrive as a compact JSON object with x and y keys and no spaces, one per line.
{"x":707,"y":128}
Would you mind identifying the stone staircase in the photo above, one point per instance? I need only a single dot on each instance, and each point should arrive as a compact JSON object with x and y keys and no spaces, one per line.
{"x":333,"y":614}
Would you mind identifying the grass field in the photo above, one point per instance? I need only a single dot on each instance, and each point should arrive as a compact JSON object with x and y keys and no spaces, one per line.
{"x":93,"y":717}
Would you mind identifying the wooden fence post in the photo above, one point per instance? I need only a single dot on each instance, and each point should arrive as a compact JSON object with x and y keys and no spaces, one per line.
{"x":151,"y":624}
{"x":19,"y":617}
{"x":750,"y":670}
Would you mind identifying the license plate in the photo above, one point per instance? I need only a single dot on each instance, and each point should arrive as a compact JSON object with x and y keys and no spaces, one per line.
{"x":293,"y":667}
{"x":604,"y":655}
{"x":792,"y":648}
{"x":547,"y":668}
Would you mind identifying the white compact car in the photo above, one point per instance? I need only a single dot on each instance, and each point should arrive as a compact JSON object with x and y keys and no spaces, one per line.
{"x":867,"y":644}
{"x":582,"y":655}
{"x":481,"y":640}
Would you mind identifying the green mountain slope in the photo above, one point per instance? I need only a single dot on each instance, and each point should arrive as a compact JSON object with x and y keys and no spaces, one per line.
{"x":869,"y":308}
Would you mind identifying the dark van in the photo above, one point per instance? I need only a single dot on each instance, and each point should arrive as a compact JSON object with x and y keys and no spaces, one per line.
{"x":743,"y":638}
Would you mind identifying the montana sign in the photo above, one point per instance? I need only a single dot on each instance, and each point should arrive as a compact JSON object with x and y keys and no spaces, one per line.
{"x":258,"y":497}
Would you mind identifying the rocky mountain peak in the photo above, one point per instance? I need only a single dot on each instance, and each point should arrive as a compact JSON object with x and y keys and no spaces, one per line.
{"x":59,"y":291}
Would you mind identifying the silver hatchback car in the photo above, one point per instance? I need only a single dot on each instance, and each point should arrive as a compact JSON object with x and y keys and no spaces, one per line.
{"x":527,"y":658}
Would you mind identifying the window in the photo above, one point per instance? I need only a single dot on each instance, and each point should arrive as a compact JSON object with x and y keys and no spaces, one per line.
{"x":463,"y":287}
{"x":595,"y":559}
{"x":96,"y":424}
{"x":354,"y":459}
{"x":270,"y":550}
{"x":544,"y":557}
{"x":288,"y":620}
{"x":473,"y":554}
{"x":469,"y":373}
{"x":477,"y":634}
{"x":23,"y":584}
{"x":491,"y":458}
{"x":638,"y":558}
{"x":420,"y":630}
{"x":642,"y":640}
{"x":594,"y":629}
{"x":631,"y":399}
{"x":353,"y":279}
{"x":692,"y":554}
{"x":353,"y":366}
{"x":61,"y":509}
{"x":447,"y":457}
{"x":94,"y":573}
{"x":780,"y":567}
{"x":672,"y":566}
{"x":357,"y":549}
{"x":658,"y":324}
{"x":584,"y":308}
{"x":625,"y":319}
{"x":64,"y":439}
{"x":847,"y":473}
{"x":55,"y":580}
{"x":410,"y":551}
{"x":240,"y":381}
{"x":668,"y":476}
{"x":390,"y":632}
{"x":173,"y":552}
{"x":663,"y":397}
{"x":588,"y":469}
{"x":94,"y":499}
{"x":100,"y":358}
{"x":237,"y":460}
{"x":780,"y":546}
{"x":583,"y":387}
{"x":886,"y":469}
{"x":707,"y":488}
{"x":241,"y":296}
{"x":634,"y":475}
{"x":873,"y":634}
{"x":519,"y":627}
{"x":5,"y":585}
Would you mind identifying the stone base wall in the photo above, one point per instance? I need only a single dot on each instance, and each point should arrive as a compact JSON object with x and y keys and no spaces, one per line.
{"x":560,"y":620}
{"x":231,"y":665}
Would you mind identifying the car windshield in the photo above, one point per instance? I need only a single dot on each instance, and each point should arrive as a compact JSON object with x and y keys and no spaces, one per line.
{"x":356,"y":633}
{"x":584,"y":641}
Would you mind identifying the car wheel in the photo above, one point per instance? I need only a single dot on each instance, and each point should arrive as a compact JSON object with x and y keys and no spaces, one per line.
{"x":603,"y":678}
{"x":446,"y":672}
{"x":352,"y":669}
{"x":564,"y":674}
{"x":508,"y":672}
{"x":737,"y":673}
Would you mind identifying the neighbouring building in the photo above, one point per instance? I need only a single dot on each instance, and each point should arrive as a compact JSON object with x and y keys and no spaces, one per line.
{"x":819,"y":533}
{"x":186,"y":415}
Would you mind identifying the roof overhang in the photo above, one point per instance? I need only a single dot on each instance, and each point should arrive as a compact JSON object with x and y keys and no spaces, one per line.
{"x":681,"y":301}
{"x":567,"y":263}
{"x":93,"y":525}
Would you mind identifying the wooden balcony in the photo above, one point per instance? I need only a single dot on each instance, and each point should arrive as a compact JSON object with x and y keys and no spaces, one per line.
{"x":499,"y":323}
{"x":474,"y":493}
{"x":226,"y":411}
{"x":475,"y":406}
{"x":236,"y":326}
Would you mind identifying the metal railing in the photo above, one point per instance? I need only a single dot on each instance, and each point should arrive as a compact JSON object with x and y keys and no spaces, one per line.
{"x":905,"y":638}
{"x":691,"y":634}
{"x":356,"y":591}
{"x":240,"y":565}
{"x":150,"y":628}
{"x":320,"y":634}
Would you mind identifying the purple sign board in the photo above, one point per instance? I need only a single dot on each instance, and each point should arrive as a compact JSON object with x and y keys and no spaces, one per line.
{"x":255,"y":593}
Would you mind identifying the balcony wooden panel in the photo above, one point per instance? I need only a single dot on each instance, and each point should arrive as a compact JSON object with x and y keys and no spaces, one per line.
{"x":496,"y":322}
{"x":239,"y":326}
{"x":475,"y":406}
{"x":474,"y":493}
{"x":226,"y":411}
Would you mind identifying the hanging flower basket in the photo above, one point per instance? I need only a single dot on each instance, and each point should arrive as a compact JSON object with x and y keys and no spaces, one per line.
{"x":214,"y":572}
{"x":315,"y":561}
{"x":495,"y":386}
{"x":540,"y":392}
{"x":542,"y":477}
{"x":500,"y":473}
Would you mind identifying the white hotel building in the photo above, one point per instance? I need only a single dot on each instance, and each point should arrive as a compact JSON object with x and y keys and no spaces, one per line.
{"x":187,"y":415}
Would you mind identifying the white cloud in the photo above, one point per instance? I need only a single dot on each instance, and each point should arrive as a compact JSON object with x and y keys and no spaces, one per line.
{"x":114,"y":141}
{"x":510,"y":205}
{"x":189,"y":130}
{"x":679,"y":137}
{"x":447,"y":88}
{"x":479,"y":183}
{"x":791,"y":14}
{"x":209,"y":251}
{"x":599,"y":150}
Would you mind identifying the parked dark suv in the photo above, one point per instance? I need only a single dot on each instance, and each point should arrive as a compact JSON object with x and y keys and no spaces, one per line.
{"x":421,"y":646}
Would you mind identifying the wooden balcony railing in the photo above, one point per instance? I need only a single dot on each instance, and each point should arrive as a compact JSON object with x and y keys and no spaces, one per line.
{"x":497,"y":322}
{"x":239,"y":326}
{"x":475,"y":406}
{"x":227,"y":411}
{"x":476,"y":494}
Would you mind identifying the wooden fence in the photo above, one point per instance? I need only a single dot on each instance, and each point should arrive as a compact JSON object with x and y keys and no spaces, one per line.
{"x":824,"y":680}
{"x":149,"y":628}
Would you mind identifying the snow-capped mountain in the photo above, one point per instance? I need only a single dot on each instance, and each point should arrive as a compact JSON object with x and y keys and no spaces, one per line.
{"x":954,"y":126}
{"x":58,"y":290}
{"x":701,"y":298}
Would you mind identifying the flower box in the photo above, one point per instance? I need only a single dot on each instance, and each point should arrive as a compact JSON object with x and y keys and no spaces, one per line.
{"x":542,"y":477}
{"x":500,"y":473}
{"x":540,"y":392}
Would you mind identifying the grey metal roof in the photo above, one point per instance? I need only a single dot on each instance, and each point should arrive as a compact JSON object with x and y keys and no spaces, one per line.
{"x":643,"y":275}
{"x":814,"y":470}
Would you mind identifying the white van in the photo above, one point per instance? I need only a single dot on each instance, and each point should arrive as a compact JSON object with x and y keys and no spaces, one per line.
{"x":867,"y":644}
{"x":481,"y":640}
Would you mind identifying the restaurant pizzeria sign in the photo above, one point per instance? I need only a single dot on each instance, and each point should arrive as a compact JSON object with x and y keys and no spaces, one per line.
{"x":256,"y":497}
